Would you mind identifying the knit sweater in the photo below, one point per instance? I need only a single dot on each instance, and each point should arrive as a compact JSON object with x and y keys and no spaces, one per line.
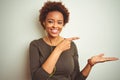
{"x":67,"y":66}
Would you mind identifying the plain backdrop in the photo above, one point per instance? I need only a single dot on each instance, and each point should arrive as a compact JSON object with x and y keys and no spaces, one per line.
{"x":96,"y":22}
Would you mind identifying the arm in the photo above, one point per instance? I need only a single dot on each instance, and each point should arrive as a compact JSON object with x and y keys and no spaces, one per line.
{"x":38,"y":67}
{"x":77,"y":75}
{"x":51,"y":61}
{"x":87,"y":69}
{"x":39,"y":70}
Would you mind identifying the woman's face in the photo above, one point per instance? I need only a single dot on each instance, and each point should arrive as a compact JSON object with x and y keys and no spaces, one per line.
{"x":54,"y":23}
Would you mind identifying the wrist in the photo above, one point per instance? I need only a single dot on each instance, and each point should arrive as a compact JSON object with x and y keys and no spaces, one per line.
{"x":58,"y":50}
{"x":90,"y":62}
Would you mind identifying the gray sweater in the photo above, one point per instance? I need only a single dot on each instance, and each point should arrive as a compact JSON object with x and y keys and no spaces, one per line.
{"x":67,"y":66}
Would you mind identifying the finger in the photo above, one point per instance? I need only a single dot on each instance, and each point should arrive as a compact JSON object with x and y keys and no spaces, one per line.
{"x":72,"y":38}
{"x":106,"y":59}
{"x":100,"y":55}
{"x":111,"y":58}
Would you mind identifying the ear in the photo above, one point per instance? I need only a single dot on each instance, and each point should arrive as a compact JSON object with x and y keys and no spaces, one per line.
{"x":44,"y":23}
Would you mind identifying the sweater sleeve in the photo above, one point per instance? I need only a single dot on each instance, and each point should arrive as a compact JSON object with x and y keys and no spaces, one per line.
{"x":76,"y":75}
{"x":37,"y":72}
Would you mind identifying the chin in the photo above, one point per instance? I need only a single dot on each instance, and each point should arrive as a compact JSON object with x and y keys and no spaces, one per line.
{"x":54,"y":36}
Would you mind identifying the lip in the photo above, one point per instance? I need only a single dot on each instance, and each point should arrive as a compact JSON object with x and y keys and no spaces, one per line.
{"x":54,"y":31}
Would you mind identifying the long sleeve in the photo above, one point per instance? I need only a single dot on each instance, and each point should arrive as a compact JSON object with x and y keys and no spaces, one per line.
{"x":39,"y":51}
{"x":37,"y":72}
{"x":76,"y":75}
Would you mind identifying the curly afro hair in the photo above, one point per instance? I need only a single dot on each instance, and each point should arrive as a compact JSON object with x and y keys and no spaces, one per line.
{"x":53,"y":6}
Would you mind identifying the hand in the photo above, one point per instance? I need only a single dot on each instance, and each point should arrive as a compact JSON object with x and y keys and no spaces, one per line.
{"x":66,"y":43}
{"x":99,"y":59}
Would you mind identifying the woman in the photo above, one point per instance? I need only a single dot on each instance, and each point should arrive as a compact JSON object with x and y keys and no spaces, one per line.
{"x":54,"y":57}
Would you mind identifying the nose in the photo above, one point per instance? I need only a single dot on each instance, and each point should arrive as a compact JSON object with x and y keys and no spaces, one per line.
{"x":55,"y":25}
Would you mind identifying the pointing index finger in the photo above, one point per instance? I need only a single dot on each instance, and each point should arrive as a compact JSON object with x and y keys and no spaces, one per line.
{"x":72,"y":38}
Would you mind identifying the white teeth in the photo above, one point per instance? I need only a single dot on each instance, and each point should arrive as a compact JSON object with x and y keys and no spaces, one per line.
{"x":54,"y":31}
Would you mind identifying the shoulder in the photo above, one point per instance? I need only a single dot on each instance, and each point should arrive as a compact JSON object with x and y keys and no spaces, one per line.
{"x":74,"y":47}
{"x":73,"y":44}
{"x":36,"y":42}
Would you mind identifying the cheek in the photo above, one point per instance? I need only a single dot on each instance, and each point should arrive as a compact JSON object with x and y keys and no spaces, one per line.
{"x":60,"y":29}
{"x":47,"y":26}
{"x":47,"y":29}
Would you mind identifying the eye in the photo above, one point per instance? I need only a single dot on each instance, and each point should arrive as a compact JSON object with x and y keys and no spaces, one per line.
{"x":60,"y":22}
{"x":50,"y":21}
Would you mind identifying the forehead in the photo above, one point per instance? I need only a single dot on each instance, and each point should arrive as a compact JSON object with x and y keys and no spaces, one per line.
{"x":56,"y":15}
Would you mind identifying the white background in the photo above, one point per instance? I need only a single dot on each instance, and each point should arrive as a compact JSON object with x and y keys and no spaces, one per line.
{"x":96,"y":22}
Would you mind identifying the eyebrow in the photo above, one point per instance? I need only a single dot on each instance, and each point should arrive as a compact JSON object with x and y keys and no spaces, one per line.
{"x":53,"y":19}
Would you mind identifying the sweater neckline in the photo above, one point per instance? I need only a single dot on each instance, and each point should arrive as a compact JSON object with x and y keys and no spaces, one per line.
{"x":46,"y":43}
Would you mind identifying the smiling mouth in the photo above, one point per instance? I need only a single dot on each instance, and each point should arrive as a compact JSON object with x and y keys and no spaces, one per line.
{"x":54,"y":31}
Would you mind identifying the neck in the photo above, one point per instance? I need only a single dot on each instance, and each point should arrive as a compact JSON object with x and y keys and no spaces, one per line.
{"x":53,"y":41}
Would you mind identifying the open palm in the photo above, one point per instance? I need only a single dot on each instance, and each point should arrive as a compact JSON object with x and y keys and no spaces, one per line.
{"x":99,"y":59}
